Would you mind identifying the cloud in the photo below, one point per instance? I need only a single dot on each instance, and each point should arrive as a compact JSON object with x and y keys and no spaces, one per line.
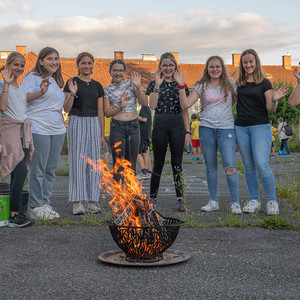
{"x":10,"y":6}
{"x":195,"y":35}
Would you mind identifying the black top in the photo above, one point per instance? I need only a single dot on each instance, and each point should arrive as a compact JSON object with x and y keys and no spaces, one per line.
{"x":251,"y":104}
{"x":145,"y":127}
{"x":168,"y":98}
{"x":86,"y":105}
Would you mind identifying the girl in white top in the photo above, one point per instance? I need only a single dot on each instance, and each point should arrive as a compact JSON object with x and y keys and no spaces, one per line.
{"x":14,"y":128}
{"x":216,"y":131}
{"x":43,"y":86}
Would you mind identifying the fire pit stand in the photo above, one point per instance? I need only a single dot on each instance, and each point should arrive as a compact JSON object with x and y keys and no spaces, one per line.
{"x":118,"y":257}
{"x":145,"y":245}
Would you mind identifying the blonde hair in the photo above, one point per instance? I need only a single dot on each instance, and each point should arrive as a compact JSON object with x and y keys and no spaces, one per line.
{"x":39,"y":70}
{"x":257,"y":74}
{"x":12,"y":56}
{"x":226,"y":83}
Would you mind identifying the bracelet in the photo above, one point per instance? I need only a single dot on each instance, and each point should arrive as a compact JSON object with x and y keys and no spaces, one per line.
{"x":156,"y":90}
{"x":4,"y":92}
{"x":72,"y":95}
{"x":181,"y":86}
{"x":188,"y":132}
{"x":122,"y":108}
{"x":6,"y":83}
{"x":298,"y":81}
{"x":274,"y":101}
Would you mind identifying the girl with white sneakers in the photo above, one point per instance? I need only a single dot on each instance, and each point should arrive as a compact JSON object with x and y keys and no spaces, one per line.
{"x":216,"y":131}
{"x":84,"y":103}
{"x":46,"y":99}
{"x":255,"y":99}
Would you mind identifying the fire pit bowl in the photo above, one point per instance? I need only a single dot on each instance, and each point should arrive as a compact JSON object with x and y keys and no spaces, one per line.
{"x":145,"y":244}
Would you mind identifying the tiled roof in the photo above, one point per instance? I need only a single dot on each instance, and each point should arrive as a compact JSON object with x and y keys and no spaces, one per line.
{"x":192,"y":72}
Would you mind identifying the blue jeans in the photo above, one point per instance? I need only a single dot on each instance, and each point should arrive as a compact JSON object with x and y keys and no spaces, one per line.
{"x":224,"y":139}
{"x":254,"y":144}
{"x":284,"y":145}
{"x":43,"y":166}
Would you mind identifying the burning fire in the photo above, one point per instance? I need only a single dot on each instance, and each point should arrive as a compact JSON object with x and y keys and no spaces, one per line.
{"x":138,"y":229}
{"x":129,"y":204}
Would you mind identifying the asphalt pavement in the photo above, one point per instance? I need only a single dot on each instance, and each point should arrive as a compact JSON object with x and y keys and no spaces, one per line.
{"x":61,"y":261}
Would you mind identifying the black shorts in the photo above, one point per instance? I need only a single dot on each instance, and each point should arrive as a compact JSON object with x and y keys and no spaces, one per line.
{"x":144,"y":145}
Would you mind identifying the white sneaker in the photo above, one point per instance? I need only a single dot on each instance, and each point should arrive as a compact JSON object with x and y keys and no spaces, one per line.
{"x":236,"y":209}
{"x":211,"y":205}
{"x":43,"y":213}
{"x":252,"y":206}
{"x":51,"y":211}
{"x":78,"y":208}
{"x":272,"y":208}
{"x":93,"y":207}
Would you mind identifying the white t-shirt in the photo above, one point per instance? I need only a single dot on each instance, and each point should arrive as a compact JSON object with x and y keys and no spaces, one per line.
{"x":16,"y":106}
{"x":45,"y":113}
{"x":217,"y":111}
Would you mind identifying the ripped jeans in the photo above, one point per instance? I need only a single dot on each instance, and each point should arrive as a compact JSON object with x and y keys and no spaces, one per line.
{"x":224,"y":139}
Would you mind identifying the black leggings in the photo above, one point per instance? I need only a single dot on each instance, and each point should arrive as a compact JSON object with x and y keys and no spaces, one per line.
{"x":17,"y":179}
{"x":167,"y":129}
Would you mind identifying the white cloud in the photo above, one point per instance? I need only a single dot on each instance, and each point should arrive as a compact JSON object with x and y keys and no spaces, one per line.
{"x":195,"y":35}
{"x":25,"y":7}
{"x":6,"y":6}
{"x":12,"y":6}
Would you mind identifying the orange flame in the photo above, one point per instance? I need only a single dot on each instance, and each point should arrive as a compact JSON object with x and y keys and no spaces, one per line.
{"x":123,"y":191}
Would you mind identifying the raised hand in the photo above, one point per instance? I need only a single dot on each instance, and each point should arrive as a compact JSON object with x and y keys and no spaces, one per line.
{"x":8,"y":77}
{"x":44,"y":85}
{"x":278,"y":93}
{"x":179,"y":78}
{"x":296,"y":74}
{"x":136,"y":79}
{"x":72,"y":85}
{"x":124,"y":98}
{"x":158,"y":79}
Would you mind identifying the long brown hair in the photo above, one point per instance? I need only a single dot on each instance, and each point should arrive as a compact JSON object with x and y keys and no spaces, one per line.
{"x":39,"y":70}
{"x":170,"y":56}
{"x":80,"y":56}
{"x":257,"y":74}
{"x":226,"y":83}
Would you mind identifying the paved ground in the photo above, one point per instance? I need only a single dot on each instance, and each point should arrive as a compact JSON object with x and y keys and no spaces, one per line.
{"x":60,"y":262}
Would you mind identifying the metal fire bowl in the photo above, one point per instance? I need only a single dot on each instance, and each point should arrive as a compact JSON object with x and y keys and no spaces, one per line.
{"x":145,"y":242}
{"x":118,"y":257}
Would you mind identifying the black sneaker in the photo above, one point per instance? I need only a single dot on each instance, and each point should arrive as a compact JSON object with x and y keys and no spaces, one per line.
{"x":19,"y":220}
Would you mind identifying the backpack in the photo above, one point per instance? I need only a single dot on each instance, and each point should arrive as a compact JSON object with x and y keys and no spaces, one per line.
{"x":287,"y":129}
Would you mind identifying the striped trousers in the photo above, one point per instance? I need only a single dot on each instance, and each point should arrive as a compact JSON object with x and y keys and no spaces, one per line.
{"x":84,"y":140}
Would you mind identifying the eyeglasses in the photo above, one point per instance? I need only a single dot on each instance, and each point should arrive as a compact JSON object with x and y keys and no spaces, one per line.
{"x":215,"y":67}
{"x":168,"y":66}
{"x":117,"y":71}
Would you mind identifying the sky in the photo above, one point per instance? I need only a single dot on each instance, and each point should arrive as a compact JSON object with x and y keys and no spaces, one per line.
{"x":193,"y":28}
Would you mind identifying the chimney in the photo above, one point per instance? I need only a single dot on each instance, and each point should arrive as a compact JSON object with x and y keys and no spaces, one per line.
{"x":21,"y":49}
{"x":118,"y":54}
{"x":175,"y":55}
{"x":236,"y":59}
{"x":287,"y":62}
